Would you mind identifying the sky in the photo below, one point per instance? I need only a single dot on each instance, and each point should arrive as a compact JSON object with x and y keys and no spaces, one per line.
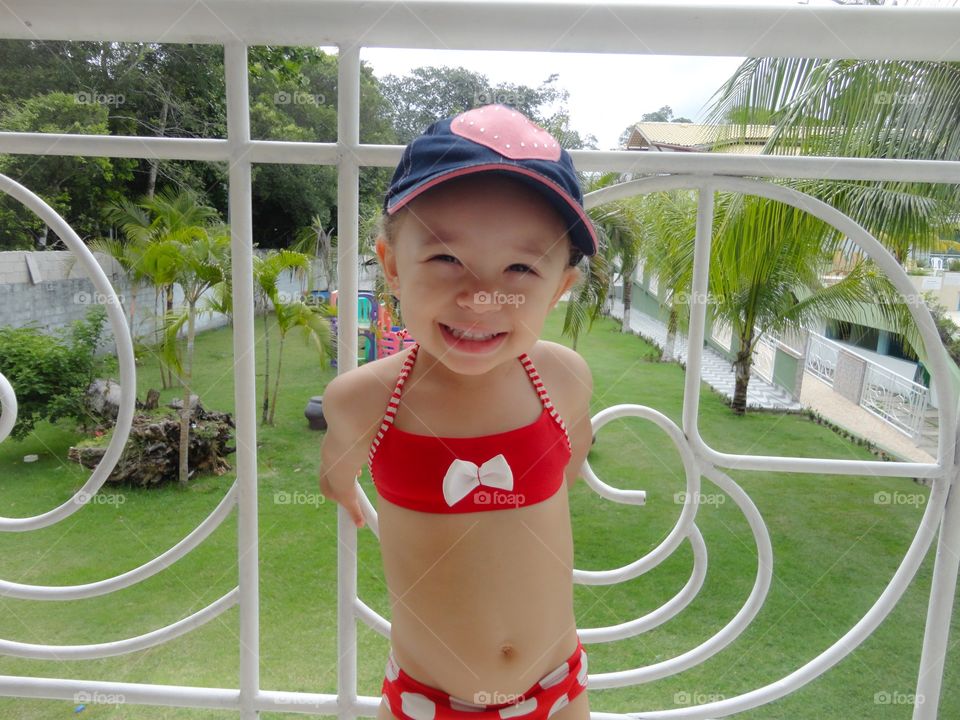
{"x":607,"y":92}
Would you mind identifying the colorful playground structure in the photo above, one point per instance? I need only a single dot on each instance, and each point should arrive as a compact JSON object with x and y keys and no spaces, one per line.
{"x":377,"y":335}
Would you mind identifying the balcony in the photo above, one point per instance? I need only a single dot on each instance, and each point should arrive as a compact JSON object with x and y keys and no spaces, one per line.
{"x":563,"y":27}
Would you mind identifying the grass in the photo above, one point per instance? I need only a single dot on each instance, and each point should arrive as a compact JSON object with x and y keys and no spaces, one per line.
{"x":835,"y":550}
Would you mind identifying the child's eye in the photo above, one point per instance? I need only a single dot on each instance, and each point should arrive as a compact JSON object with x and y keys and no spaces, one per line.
{"x":440,"y":257}
{"x":522,"y":268}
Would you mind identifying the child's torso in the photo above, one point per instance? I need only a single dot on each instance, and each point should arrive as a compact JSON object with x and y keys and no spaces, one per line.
{"x":437,"y":472}
{"x":481,"y":599}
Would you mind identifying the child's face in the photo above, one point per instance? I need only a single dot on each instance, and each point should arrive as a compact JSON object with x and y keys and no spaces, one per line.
{"x":481,"y":251}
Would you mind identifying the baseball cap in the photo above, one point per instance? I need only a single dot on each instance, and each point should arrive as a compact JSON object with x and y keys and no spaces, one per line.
{"x":494,"y":139}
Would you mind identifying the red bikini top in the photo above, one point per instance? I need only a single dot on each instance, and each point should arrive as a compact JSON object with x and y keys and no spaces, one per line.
{"x":434,"y":474}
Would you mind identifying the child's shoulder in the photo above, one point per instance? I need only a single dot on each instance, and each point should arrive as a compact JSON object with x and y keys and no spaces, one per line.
{"x":562,"y":363}
{"x":363,"y":392}
{"x":566,"y":375}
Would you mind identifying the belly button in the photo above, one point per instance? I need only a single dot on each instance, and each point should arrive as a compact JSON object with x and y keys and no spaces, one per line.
{"x":507,"y":650}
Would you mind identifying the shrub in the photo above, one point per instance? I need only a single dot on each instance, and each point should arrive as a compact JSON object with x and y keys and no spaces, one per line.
{"x":50,"y":373}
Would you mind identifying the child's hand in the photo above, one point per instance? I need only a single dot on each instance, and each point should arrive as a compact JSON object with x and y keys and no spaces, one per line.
{"x":349,"y":498}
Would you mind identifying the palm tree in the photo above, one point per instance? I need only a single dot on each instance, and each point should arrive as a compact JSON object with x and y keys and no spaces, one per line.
{"x":672,"y":218}
{"x":312,"y":320}
{"x":316,"y":242}
{"x":146,"y":222}
{"x":620,"y":232}
{"x":767,"y":264}
{"x":890,"y":109}
{"x":847,"y":108}
{"x":266,"y":275}
{"x":197,"y":258}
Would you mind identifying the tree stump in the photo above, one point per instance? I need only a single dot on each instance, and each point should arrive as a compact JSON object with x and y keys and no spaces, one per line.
{"x":151,"y":455}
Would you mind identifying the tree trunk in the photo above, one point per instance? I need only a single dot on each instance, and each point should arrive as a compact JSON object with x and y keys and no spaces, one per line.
{"x":168,"y":290}
{"x":158,"y":334}
{"x":264,"y":415}
{"x":627,"y":297}
{"x":133,"y":306}
{"x":155,"y":163}
{"x":276,"y":382}
{"x":668,"y":344}
{"x":742,"y":370}
{"x":185,"y":410}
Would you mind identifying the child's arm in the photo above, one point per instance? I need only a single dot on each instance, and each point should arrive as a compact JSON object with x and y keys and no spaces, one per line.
{"x":580,"y":430}
{"x":343,"y":452}
{"x":573,"y":378}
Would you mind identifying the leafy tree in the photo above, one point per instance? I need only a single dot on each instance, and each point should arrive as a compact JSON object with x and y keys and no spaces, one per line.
{"x":51,"y":373}
{"x":294,"y":98}
{"x":166,"y":90}
{"x":664,"y":114}
{"x":947,"y":329}
{"x":75,"y":187}
{"x":430,"y":93}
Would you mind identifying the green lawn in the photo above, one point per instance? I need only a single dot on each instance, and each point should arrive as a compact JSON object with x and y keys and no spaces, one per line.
{"x":835,"y":550}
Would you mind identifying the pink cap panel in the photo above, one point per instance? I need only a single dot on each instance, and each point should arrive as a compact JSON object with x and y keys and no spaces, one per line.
{"x":507,"y":132}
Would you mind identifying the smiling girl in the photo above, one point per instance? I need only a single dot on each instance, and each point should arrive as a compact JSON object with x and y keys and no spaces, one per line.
{"x":474,"y":435}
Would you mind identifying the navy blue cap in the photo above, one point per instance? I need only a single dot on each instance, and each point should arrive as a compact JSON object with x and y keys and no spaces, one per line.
{"x":497,"y":139}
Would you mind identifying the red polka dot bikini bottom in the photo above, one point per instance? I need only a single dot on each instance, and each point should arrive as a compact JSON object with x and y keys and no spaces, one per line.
{"x":410,"y":699}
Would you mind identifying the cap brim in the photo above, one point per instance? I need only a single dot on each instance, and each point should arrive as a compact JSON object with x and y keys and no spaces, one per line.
{"x":578,"y":222}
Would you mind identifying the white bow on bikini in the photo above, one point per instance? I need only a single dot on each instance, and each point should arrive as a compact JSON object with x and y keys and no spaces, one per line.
{"x":463,"y":476}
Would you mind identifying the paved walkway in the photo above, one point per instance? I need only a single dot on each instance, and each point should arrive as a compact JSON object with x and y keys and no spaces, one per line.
{"x":814,"y":394}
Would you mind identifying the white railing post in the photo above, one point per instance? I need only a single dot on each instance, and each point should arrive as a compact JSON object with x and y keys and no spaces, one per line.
{"x":348,"y":210}
{"x":698,"y":307}
{"x":943,"y":588}
{"x":244,"y":373}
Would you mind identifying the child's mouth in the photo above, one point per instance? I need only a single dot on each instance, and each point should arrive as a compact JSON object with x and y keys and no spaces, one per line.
{"x":471,"y":342}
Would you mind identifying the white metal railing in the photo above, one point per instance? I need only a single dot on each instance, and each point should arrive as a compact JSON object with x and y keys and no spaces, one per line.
{"x":898,"y":400}
{"x":612,"y":27}
{"x":821,"y":359}
{"x":764,"y":357}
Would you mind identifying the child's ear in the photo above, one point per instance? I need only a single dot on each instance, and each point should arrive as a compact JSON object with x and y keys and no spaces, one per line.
{"x":571,"y":275}
{"x":388,"y":261}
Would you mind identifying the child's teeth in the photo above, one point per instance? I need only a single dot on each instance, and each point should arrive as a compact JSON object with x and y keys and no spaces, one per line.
{"x":470,"y":336}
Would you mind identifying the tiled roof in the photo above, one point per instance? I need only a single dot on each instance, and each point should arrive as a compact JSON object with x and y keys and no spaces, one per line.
{"x":696,"y":137}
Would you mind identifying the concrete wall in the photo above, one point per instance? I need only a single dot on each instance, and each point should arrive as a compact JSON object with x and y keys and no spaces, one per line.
{"x":848,"y":376}
{"x":50,"y":290}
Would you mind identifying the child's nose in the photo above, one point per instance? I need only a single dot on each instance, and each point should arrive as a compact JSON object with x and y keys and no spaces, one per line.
{"x":480,"y":301}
